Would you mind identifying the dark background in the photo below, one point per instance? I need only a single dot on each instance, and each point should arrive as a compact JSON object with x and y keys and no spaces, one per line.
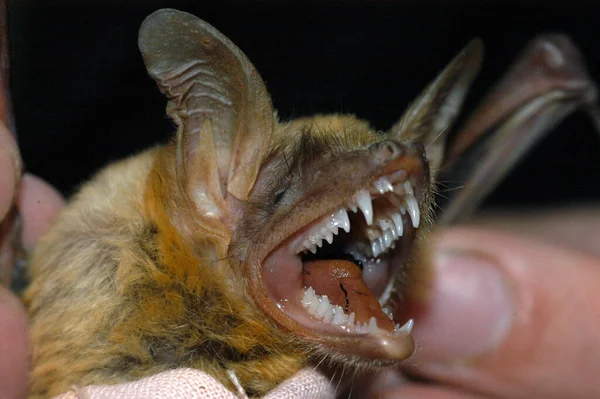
{"x":82,"y":97}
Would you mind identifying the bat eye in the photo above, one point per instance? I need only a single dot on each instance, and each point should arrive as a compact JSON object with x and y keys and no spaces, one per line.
{"x":279,"y":196}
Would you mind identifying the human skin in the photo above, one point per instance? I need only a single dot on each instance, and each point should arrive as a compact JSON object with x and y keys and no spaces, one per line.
{"x":513,"y":310}
{"x":38,"y":203}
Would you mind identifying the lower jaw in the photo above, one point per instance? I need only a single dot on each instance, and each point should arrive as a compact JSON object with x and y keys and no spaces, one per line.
{"x":287,"y":288}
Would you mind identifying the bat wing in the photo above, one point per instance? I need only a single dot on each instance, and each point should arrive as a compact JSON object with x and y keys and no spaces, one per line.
{"x":545,"y":85}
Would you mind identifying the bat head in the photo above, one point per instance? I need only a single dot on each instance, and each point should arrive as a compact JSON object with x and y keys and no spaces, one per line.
{"x":321,"y":215}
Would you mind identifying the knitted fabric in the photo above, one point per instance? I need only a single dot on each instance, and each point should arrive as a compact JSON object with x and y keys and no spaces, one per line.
{"x":194,"y":384}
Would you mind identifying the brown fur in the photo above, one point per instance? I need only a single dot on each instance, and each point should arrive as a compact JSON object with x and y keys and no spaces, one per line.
{"x":119,"y":291}
{"x":147,"y":267}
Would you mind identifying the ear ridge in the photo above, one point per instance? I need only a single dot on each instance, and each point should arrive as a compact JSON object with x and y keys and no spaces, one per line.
{"x":430,"y":117}
{"x":206,"y":77}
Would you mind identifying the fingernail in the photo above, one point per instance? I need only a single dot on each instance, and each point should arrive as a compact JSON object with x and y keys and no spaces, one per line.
{"x":470,"y":309}
{"x":9,"y":169}
{"x":7,"y":181}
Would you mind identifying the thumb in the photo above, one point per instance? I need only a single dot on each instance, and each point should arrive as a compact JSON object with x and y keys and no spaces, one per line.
{"x":510,"y":317}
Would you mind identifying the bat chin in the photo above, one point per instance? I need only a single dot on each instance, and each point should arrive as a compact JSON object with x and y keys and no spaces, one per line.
{"x":331,"y":280}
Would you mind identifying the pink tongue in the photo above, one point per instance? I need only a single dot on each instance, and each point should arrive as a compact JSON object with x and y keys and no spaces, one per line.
{"x":344,"y":286}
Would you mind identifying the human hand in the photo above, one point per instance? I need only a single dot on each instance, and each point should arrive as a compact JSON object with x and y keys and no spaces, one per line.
{"x":511,"y":315}
{"x":38,"y":203}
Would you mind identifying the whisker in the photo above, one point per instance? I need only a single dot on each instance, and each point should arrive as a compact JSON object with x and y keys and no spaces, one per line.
{"x":446,"y":190}
{"x":437,"y":136}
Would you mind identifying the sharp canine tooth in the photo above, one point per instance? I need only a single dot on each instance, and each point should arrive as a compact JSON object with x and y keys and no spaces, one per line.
{"x":363,"y":199}
{"x":313,"y":249}
{"x":413,"y":210}
{"x":398,"y":222}
{"x":407,"y":327}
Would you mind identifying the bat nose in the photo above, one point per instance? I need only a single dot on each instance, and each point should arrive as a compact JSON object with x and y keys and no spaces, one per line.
{"x":393,"y":155}
{"x":388,"y":150}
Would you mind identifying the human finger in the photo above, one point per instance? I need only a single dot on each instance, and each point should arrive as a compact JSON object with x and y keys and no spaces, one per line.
{"x":510,"y":317}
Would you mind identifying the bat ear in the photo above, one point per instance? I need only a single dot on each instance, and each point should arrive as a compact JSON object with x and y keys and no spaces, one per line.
{"x":218,"y":101}
{"x":430,"y":117}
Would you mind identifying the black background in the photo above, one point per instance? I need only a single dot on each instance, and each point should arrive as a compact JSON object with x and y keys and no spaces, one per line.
{"x":82,"y":97}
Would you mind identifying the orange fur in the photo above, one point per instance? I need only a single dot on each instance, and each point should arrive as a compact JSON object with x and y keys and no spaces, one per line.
{"x":156,"y":262}
{"x":135,"y":279}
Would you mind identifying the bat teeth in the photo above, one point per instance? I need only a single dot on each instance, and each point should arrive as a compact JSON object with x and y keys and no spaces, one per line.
{"x":383,"y":185}
{"x":339,"y":317}
{"x":375,"y":248}
{"x":388,"y":238}
{"x":328,"y":234}
{"x":322,"y":231}
{"x":339,"y":219}
{"x":372,"y":327}
{"x":398,"y":223}
{"x":350,"y":321}
{"x":363,"y":200}
{"x":389,"y":225}
{"x":413,"y":210}
{"x":384,"y":224}
{"x":352,"y":206}
{"x":406,"y":328}
{"x":388,"y":313}
{"x":321,"y":308}
{"x":408,"y":188}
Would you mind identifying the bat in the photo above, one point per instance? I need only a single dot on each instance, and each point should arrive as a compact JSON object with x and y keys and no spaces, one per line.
{"x":258,"y":246}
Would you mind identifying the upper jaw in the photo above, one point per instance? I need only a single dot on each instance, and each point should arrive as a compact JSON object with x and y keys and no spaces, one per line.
{"x":389,"y":204}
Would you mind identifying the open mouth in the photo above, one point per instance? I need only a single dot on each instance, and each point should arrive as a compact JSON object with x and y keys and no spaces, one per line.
{"x":335,"y":275}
